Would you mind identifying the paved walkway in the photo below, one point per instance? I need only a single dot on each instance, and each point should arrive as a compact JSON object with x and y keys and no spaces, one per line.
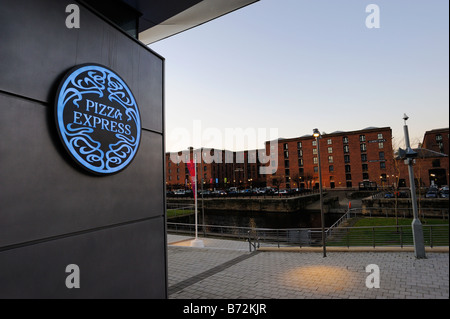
{"x":225,"y":269}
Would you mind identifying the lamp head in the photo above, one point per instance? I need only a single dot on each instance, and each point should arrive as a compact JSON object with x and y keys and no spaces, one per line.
{"x":405,"y":117}
{"x":316,"y":132}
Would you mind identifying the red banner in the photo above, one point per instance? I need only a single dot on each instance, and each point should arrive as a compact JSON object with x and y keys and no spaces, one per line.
{"x":191,"y":167}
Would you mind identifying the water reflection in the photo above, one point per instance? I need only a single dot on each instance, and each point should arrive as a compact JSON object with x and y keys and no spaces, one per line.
{"x":261,"y":219}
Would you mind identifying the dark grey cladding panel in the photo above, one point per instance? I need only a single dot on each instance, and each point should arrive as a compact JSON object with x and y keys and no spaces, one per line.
{"x":37,"y":49}
{"x":119,"y":262}
{"x":43,"y":191}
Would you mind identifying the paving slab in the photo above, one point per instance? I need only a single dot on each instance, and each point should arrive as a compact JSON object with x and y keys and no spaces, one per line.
{"x":227,"y":270}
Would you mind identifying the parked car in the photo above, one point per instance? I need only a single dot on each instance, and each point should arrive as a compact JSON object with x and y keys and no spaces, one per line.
{"x":444,"y":192}
{"x":179,"y":192}
{"x":219,"y":192}
{"x":403,"y":194}
{"x":431,"y":194}
{"x":389,"y":195}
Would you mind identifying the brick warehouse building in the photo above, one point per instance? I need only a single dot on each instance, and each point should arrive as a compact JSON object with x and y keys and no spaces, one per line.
{"x":437,"y":140}
{"x":218,"y":169}
{"x":347,"y":159}
{"x":431,"y":164}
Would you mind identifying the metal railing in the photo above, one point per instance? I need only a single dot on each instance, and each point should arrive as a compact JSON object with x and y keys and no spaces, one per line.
{"x":400,"y":236}
{"x":374,"y":236}
{"x":402,"y":212}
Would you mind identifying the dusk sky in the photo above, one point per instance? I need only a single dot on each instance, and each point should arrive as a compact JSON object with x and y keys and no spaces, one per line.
{"x":295,"y":65}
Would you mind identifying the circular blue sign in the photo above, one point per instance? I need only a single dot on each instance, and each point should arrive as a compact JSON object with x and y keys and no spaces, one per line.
{"x":98,"y":119}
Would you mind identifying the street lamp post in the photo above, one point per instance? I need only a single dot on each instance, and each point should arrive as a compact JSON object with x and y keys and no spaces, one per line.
{"x":316,"y":134}
{"x":417,"y":230}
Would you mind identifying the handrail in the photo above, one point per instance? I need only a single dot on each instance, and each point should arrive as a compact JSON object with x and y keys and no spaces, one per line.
{"x":401,"y":235}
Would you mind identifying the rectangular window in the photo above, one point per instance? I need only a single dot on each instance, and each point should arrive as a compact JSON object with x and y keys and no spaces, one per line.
{"x":382,"y":165}
{"x":436,"y":163}
{"x":347,"y":168}
{"x":347,"y":158}
{"x":380,"y":136}
{"x":346,"y":149}
{"x":286,"y":172}
{"x":363,"y":157}
{"x":315,"y":161}
{"x":365,"y":167}
{"x":331,"y":168}
{"x":286,"y":154}
{"x":345,"y":140}
{"x":380,"y":145}
{"x":315,"y":151}
{"x":330,"y":150}
{"x":285,"y":146}
{"x":381,"y":154}
{"x":330,"y":159}
{"x":300,"y":153}
{"x":366,"y":176}
{"x":300,"y":162}
{"x":286,"y":163}
{"x":314,"y":143}
{"x":363,"y":147}
{"x":299,"y":145}
{"x":316,"y":169}
{"x":301,"y":170}
{"x":438,"y":137}
{"x":362,"y":138}
{"x":348,"y":177}
{"x":329,"y":141}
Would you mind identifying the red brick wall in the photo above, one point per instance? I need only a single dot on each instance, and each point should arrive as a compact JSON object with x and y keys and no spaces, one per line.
{"x":335,"y":141}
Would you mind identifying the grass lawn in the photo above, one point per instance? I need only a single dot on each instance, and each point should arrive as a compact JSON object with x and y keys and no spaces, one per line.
{"x":382,"y":231}
{"x":390,"y":221}
{"x":179,"y":212}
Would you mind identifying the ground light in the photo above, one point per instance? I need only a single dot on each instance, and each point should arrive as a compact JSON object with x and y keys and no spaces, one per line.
{"x":332,"y":279}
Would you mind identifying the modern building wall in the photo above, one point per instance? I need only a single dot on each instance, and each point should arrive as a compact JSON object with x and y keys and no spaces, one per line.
{"x":53,"y":213}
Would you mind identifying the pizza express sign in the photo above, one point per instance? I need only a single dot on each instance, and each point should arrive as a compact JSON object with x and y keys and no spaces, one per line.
{"x":98,"y":119}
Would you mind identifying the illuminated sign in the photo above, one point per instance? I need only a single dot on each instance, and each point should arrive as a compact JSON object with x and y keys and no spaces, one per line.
{"x":98,"y":119}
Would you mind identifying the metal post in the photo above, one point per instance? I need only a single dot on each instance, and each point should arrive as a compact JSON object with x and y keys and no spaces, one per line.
{"x":196,"y":242}
{"x":321,"y":195}
{"x":417,"y":230}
